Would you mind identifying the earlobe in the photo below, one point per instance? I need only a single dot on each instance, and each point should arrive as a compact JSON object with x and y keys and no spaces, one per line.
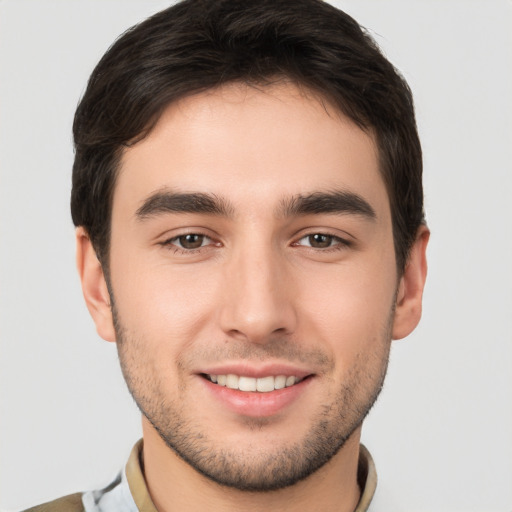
{"x":410,"y":289}
{"x":94,"y":286}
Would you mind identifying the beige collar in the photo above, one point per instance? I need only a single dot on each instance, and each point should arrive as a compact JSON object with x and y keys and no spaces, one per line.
{"x":366,"y":477}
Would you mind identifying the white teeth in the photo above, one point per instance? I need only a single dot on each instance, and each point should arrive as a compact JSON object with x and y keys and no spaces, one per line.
{"x":247,"y":384}
{"x":280,"y":382}
{"x":262,"y":384}
{"x":265,"y":384}
{"x":232,"y":381}
{"x":290,"y":381}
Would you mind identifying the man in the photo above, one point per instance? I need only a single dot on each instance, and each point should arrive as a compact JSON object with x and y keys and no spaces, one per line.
{"x":250,"y":233}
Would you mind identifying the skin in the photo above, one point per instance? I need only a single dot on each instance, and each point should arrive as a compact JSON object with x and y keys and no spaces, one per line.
{"x":263,"y":294}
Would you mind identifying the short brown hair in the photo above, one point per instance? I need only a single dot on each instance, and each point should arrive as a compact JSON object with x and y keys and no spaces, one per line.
{"x":198,"y":45}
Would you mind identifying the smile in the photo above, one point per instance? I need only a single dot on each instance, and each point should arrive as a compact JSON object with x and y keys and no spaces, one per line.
{"x":260,"y":384}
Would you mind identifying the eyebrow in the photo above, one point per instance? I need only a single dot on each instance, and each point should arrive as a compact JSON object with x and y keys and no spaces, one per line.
{"x":175,"y":202}
{"x":334,"y":202}
{"x":316,"y":203}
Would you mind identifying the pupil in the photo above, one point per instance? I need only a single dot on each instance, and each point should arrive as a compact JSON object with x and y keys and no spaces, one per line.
{"x":320,"y":241}
{"x":191,"y":241}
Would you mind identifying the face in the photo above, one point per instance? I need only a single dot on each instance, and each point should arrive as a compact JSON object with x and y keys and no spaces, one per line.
{"x":253,"y":279}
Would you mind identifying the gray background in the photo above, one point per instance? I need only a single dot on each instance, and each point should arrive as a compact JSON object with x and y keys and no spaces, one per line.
{"x":441,"y":434}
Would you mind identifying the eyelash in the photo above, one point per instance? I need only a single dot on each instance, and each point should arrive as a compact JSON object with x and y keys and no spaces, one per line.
{"x":171,"y":243}
{"x":337,"y":243}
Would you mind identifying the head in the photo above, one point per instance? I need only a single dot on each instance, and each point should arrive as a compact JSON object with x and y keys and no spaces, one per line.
{"x":247,"y":187}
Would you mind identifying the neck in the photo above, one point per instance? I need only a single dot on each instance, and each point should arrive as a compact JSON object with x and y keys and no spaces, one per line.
{"x":175,"y":486}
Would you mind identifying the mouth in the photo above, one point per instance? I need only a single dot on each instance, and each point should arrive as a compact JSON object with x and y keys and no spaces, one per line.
{"x":254,"y":392}
{"x":265,"y":384}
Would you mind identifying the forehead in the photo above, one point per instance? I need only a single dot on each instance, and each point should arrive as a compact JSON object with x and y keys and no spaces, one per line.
{"x":254,"y":145}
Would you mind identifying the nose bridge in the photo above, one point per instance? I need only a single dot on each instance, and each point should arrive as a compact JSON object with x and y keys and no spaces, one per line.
{"x":257,"y":300}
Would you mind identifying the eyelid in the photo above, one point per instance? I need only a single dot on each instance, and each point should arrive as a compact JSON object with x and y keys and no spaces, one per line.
{"x":341,"y":235}
{"x":169,"y":242}
{"x":338,"y":241}
{"x":176,"y":240}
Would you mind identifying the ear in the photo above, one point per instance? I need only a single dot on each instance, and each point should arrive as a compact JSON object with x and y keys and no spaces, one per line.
{"x":410,"y":288}
{"x":94,"y":286}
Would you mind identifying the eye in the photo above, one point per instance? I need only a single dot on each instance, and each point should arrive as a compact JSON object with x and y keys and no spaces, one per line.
{"x":318,"y":240}
{"x":322,"y":241}
{"x":189,"y":241}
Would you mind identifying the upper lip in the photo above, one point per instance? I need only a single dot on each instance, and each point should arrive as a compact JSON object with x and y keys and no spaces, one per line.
{"x":247,"y":369}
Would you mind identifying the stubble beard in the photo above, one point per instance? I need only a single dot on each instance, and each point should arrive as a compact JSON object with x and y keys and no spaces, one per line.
{"x":268,"y":468}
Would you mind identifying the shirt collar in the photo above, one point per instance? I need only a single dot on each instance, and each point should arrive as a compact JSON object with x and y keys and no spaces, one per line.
{"x":366,"y":478}
{"x":136,"y":480}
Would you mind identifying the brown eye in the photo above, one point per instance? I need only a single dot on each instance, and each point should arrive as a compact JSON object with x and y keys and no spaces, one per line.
{"x":191,"y":241}
{"x":320,"y":241}
{"x":323,"y":241}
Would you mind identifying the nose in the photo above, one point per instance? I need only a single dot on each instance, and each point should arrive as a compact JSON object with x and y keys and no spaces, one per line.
{"x":257,"y":302}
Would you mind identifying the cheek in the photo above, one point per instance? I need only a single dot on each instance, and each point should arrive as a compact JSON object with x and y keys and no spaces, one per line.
{"x":157,"y":301}
{"x":349,"y":309}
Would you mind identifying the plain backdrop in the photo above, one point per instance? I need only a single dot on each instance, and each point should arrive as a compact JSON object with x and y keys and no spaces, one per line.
{"x":441,"y":433}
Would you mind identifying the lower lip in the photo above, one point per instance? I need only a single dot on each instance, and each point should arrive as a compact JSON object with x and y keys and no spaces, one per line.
{"x":254,"y":404}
